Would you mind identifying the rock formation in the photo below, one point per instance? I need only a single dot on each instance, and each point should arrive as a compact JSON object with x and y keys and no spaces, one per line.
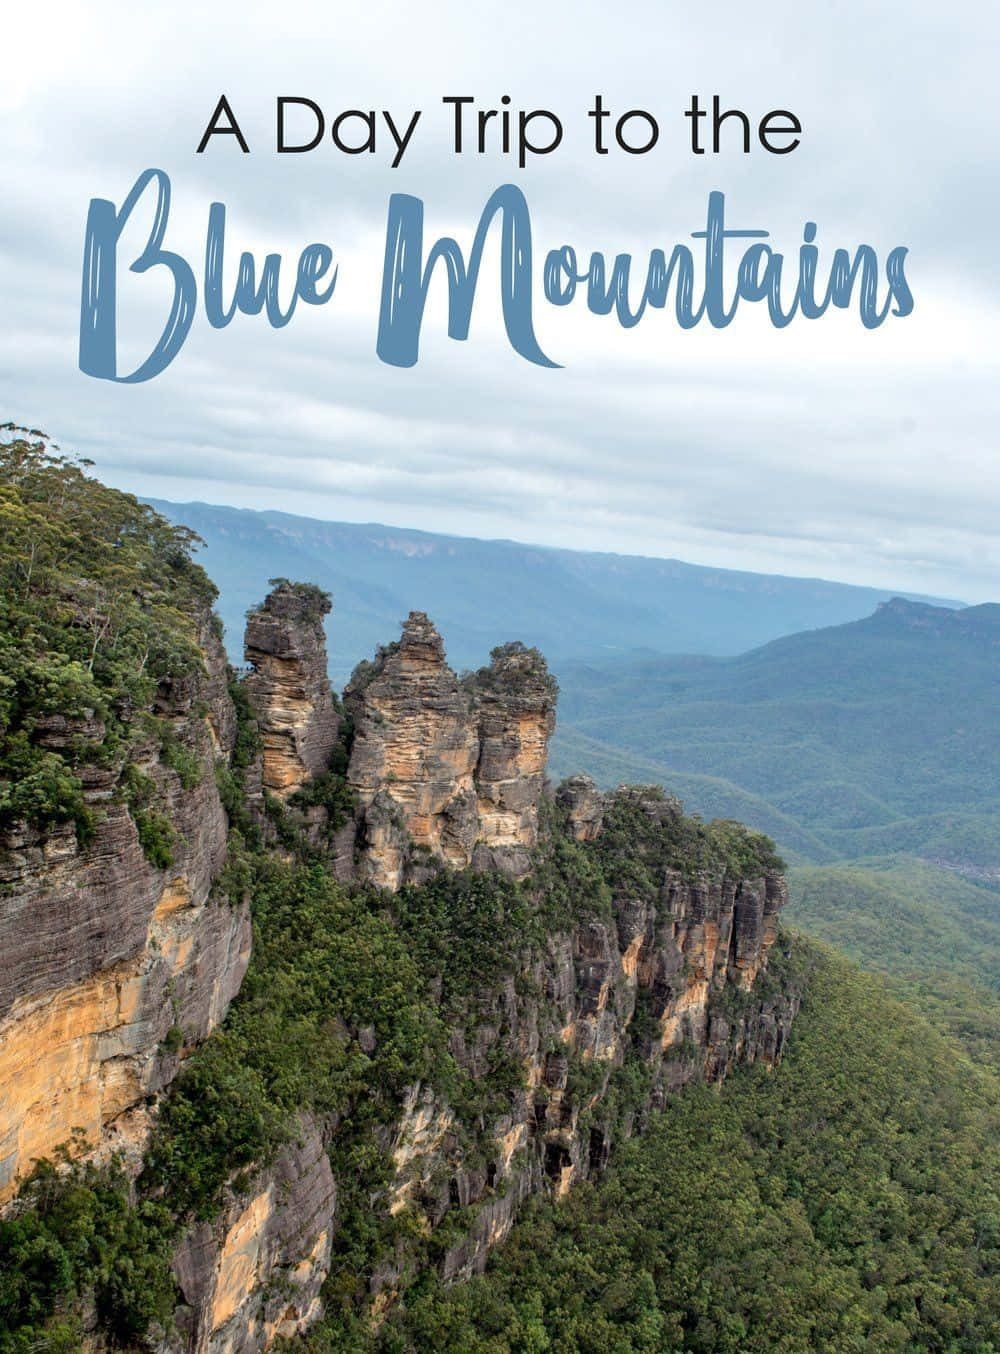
{"x":254,"y":1274}
{"x":414,"y":756}
{"x":515,"y":708}
{"x":289,"y":687}
{"x":665,"y":979}
{"x":452,"y":771}
{"x":447,"y":769}
{"x":583,"y":805}
{"x":111,"y":968}
{"x":104,"y":955}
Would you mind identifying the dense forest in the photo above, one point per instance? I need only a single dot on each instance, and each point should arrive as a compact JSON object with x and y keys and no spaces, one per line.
{"x":930,"y":935}
{"x":846,"y":1204}
{"x":326,"y":958}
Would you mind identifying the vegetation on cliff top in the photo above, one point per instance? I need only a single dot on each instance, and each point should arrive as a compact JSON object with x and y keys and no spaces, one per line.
{"x":352,"y":996}
{"x":309,"y":599}
{"x":98,"y":600}
{"x":646,"y":833}
{"x":513,"y":665}
{"x":845,"y":1205}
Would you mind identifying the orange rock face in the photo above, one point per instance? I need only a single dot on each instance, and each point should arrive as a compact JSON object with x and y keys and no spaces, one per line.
{"x":664,"y":975}
{"x":414,"y":756}
{"x":104,"y":954}
{"x":289,"y":687}
{"x":448,"y":769}
{"x":254,"y":1274}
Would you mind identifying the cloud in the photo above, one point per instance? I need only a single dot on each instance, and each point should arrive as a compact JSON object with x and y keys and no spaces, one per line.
{"x":820,"y":449}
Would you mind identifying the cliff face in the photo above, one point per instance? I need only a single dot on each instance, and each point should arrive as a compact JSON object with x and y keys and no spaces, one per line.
{"x":579,"y":799}
{"x":642,"y":964}
{"x":601,"y":1023}
{"x":446,"y":769}
{"x":664,"y":978}
{"x":254,"y":1274}
{"x":665,"y":983}
{"x":105,"y":954}
{"x":289,"y":687}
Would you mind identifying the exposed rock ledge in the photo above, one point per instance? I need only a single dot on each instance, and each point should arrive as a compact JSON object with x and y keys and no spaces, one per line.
{"x":254,"y":1274}
{"x":104,"y":954}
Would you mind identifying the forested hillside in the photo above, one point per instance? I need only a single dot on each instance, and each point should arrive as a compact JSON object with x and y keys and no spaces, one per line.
{"x":864,"y":739}
{"x":934,"y":936}
{"x":846,"y":1204}
{"x":97,"y":602}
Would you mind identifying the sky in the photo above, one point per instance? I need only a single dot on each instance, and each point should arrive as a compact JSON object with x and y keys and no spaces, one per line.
{"x":823,"y":449}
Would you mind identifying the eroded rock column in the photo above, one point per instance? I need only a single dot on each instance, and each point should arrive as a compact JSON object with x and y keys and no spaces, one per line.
{"x":516,"y":708}
{"x":414,"y":754}
{"x":448,"y":770}
{"x":289,"y":687}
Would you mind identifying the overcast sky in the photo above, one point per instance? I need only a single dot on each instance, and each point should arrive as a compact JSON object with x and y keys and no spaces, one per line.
{"x":822,"y":449}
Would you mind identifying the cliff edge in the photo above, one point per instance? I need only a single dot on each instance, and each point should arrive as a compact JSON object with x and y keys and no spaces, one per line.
{"x":464,"y":987}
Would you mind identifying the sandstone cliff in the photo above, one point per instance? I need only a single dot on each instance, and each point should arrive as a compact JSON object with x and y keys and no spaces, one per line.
{"x":662,"y":977}
{"x":514,"y":700}
{"x":289,"y":687}
{"x":643,"y":962}
{"x":663,"y":983}
{"x":110,"y":963}
{"x":255,"y":1273}
{"x":446,"y":769}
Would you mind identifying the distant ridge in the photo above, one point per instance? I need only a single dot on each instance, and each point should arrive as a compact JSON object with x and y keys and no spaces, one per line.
{"x":571,"y":604}
{"x":872,"y":737}
{"x":949,"y":621}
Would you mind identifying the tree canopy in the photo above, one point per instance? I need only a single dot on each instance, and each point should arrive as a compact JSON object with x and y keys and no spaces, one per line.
{"x":99,"y":600}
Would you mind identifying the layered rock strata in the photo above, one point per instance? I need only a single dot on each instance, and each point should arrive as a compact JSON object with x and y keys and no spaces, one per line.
{"x":254,"y":1273}
{"x":109,"y":965}
{"x":447,"y":770}
{"x":514,"y":701}
{"x":583,"y":804}
{"x":413,"y":758}
{"x":289,"y":687}
{"x":666,"y":982}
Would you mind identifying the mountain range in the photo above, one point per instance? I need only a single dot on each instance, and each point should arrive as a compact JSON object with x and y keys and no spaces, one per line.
{"x":569,"y":603}
{"x":872,"y":737}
